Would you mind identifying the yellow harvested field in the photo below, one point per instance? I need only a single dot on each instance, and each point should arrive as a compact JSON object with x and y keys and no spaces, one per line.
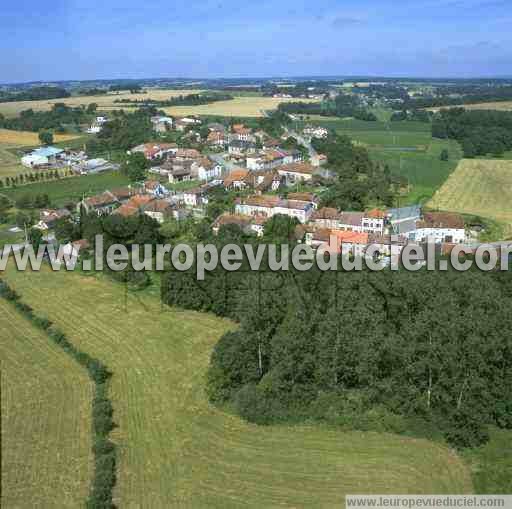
{"x":478,"y":186}
{"x":27,"y":138}
{"x":237,"y":107}
{"x":11,"y":109}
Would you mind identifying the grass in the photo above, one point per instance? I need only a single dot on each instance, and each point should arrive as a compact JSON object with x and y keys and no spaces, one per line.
{"x":176,"y":450}
{"x":46,"y":419}
{"x":479,"y":187}
{"x":70,"y":189}
{"x":7,"y":237}
{"x":491,"y":463}
{"x":11,"y":142}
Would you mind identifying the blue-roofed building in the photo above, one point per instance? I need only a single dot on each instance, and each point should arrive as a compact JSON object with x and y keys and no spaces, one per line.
{"x":42,"y":156}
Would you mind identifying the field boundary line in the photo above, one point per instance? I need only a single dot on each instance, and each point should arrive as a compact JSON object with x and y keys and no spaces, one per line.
{"x":104,"y":450}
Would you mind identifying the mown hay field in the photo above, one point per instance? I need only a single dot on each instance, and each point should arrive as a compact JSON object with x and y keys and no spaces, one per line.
{"x":478,"y":186}
{"x":176,"y":450}
{"x":46,"y":419}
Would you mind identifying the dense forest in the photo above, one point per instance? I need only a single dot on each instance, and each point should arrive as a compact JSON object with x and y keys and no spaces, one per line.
{"x":35,"y":94}
{"x":411,"y":115}
{"x":426,"y":354}
{"x":341,"y":106}
{"x":60,"y":118}
{"x":480,"y":132}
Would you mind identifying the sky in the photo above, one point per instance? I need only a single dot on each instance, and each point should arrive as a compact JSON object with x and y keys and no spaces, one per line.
{"x":93,"y":39}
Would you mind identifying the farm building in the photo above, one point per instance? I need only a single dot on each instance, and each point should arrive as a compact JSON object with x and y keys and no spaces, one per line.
{"x":42,"y":156}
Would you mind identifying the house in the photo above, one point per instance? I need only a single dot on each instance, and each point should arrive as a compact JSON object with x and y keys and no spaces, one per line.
{"x":263,"y":180}
{"x":216,"y":139}
{"x":268,"y":205}
{"x":159,"y":210}
{"x":48,"y":218}
{"x":241,"y":133}
{"x":374,"y":221}
{"x":195,"y":197}
{"x":271,"y":143}
{"x":183,"y":154}
{"x":153,"y":151}
{"x":103,"y":204}
{"x":123,"y":194}
{"x":236,"y":179}
{"x":183,"y":123}
{"x":181,"y":171}
{"x":332,"y":240}
{"x":440,"y":227}
{"x":296,"y":172}
{"x":248,"y":224}
{"x":304,"y":197}
{"x":155,"y":188}
{"x":43,"y":156}
{"x":239,"y":147}
{"x":91,"y":166}
{"x":135,"y":205}
{"x":162,"y":124}
{"x":208,"y":169}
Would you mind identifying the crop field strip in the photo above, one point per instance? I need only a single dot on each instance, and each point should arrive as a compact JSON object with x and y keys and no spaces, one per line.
{"x":176,"y":450}
{"x":480,"y":187}
{"x":46,"y":419}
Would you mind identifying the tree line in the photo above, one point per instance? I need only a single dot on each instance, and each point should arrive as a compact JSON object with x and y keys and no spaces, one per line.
{"x":35,"y":94}
{"x":104,"y":450}
{"x":342,"y":106}
{"x":181,"y":100}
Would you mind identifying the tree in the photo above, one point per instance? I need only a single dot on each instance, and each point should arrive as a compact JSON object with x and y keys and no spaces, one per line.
{"x":45,"y":137}
{"x":135,"y":166}
{"x":468,"y":148}
{"x":35,"y":237}
{"x":444,"y":155}
{"x":91,"y":108}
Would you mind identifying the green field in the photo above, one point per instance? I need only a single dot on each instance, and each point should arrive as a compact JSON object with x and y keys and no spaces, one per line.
{"x":46,"y":419}
{"x":176,"y":450}
{"x":406,"y":147}
{"x":70,"y":189}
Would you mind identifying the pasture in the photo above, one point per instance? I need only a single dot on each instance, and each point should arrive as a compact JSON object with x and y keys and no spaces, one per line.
{"x":176,"y":450}
{"x":480,"y":187}
{"x":69,"y":189}
{"x":46,"y":419}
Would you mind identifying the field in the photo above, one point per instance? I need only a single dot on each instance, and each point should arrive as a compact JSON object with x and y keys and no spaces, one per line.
{"x":406,"y":147}
{"x":237,"y":107}
{"x":480,"y":187}
{"x":70,"y":189}
{"x":176,"y":450}
{"x":104,"y":102}
{"x":240,"y":106}
{"x":46,"y":419}
{"x":498,"y":105}
{"x":10,"y":141}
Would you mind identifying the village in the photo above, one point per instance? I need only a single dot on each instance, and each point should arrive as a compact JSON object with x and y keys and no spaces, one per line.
{"x":263,"y":177}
